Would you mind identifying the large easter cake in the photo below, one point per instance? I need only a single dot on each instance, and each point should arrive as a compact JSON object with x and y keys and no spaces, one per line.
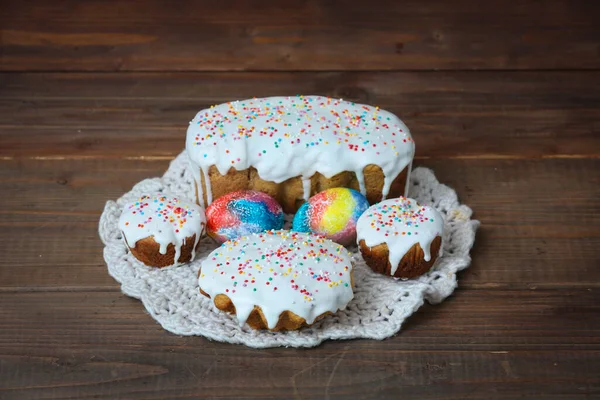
{"x":294,"y":147}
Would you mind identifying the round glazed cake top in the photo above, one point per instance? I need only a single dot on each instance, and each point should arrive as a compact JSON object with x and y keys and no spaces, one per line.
{"x":278,"y":271}
{"x":285,"y":137}
{"x":168,"y":220}
{"x":400,"y":223}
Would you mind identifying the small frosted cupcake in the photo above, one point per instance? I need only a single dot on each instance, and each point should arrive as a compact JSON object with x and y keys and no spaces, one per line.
{"x":332,"y":213}
{"x":278,"y":280}
{"x":242,"y":213}
{"x":400,"y":238}
{"x":161,"y":231}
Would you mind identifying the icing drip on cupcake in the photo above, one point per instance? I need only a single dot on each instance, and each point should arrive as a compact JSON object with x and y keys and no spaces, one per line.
{"x":278,"y":271}
{"x":287,"y":137}
{"x":400,"y":223}
{"x":168,"y":220}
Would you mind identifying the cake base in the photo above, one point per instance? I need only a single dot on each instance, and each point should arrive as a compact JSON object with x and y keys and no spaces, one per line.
{"x":148,"y":251}
{"x":288,"y":321}
{"x":413,"y":263}
{"x":290,"y":193}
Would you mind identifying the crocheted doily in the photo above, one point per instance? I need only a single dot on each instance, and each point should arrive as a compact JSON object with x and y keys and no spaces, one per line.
{"x":380,"y":305}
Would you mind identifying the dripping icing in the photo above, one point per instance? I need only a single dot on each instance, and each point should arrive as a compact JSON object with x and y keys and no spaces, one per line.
{"x":198,"y":182}
{"x":407,"y":183}
{"x":306,"y":188}
{"x":207,"y":183}
{"x":360,"y":177}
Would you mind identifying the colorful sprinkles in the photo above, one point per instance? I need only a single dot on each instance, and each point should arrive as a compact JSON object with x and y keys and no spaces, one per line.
{"x":299,"y":121}
{"x":400,"y":217}
{"x":161,"y":208}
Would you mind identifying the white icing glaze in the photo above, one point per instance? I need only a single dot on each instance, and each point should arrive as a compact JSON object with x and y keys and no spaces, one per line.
{"x":286,"y":137}
{"x":400,"y":223}
{"x":168,"y":220}
{"x":407,"y":184}
{"x":278,"y":271}
{"x":208,"y":186}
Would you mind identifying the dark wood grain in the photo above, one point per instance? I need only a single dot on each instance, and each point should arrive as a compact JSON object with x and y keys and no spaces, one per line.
{"x":302,"y":35}
{"x":104,"y":344}
{"x":537,"y":216}
{"x":451,"y":114}
{"x":495,"y":320}
{"x":503,"y":103}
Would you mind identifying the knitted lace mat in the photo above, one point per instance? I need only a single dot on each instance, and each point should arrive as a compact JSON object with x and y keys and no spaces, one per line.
{"x":380,"y":305}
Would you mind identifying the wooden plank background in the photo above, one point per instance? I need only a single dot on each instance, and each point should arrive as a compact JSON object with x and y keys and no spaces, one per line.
{"x":503,"y":101}
{"x":240,"y":35}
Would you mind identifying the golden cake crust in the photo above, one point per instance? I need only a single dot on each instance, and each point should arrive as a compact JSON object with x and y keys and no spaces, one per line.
{"x":148,"y":251}
{"x":411,"y":265}
{"x":288,"y":321}
{"x":290,"y":193}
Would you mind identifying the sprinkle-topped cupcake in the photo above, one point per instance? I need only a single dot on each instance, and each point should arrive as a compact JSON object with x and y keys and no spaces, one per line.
{"x":278,"y":280}
{"x":399,"y":237}
{"x":161,"y":230}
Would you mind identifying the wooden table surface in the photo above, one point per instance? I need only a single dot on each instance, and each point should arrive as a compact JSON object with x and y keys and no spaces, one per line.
{"x":503,"y":100}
